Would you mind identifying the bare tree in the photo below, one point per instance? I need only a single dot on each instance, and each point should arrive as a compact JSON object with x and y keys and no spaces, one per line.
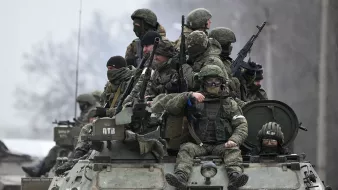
{"x":50,"y":89}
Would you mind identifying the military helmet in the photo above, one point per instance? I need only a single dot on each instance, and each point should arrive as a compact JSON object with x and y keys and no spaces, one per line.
{"x":89,"y":98}
{"x":223,"y":35}
{"x":97,"y":94}
{"x":197,"y":38}
{"x":271,"y":130}
{"x":198,"y":18}
{"x":147,"y":15}
{"x":211,"y":71}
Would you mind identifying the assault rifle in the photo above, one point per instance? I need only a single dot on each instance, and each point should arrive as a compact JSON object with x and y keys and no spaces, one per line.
{"x":139,"y":107}
{"x":130,"y":85}
{"x":65,"y":122}
{"x":239,"y":61}
{"x":182,"y":83}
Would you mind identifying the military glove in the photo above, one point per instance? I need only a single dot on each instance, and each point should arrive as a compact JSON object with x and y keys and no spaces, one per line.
{"x":100,"y":112}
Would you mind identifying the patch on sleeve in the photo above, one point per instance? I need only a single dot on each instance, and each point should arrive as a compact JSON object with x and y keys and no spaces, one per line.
{"x":238,"y":117}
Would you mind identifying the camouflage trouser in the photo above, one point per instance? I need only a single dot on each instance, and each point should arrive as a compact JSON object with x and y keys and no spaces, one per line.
{"x":81,"y":144}
{"x":184,"y":162}
{"x":50,"y":159}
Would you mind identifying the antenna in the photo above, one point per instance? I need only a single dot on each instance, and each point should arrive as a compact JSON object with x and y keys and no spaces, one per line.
{"x":77,"y":58}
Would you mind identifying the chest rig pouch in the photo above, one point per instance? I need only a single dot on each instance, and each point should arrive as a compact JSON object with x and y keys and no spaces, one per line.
{"x":208,"y":116}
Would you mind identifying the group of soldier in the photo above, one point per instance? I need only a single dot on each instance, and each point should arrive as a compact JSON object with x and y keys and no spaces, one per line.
{"x":211,"y":100}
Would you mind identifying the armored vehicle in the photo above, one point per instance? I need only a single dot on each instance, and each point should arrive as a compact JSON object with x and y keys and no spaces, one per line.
{"x":10,"y":168}
{"x":65,"y":137}
{"x":119,"y":165}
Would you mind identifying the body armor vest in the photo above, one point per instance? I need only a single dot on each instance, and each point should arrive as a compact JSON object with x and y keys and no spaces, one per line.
{"x":211,"y":123}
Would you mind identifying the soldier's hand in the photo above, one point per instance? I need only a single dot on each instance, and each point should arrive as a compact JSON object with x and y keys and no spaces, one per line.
{"x":230,"y":144}
{"x":100,"y":112}
{"x":199,"y":97}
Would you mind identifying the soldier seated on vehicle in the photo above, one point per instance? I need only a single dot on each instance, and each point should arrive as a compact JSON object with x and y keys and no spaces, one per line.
{"x":118,"y":75}
{"x":270,"y":139}
{"x":216,"y":124}
{"x":164,"y":79}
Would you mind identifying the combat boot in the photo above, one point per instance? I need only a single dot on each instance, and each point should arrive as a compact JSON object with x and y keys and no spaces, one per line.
{"x":34,"y":171}
{"x":69,"y":164}
{"x":178,"y":180}
{"x":237,"y":180}
{"x":64,"y":167}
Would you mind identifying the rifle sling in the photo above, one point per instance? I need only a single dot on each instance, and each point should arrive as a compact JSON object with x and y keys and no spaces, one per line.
{"x":116,"y":96}
{"x":193,"y":134}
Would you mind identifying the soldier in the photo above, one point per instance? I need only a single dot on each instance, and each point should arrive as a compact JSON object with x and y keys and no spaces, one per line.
{"x":87,"y":104}
{"x":217,"y":126}
{"x":147,"y":41}
{"x":202,"y":51}
{"x":270,"y":139}
{"x":165,"y":78}
{"x":197,"y":19}
{"x":226,"y":37}
{"x":255,"y":90}
{"x":144,"y":20}
{"x":118,"y":76}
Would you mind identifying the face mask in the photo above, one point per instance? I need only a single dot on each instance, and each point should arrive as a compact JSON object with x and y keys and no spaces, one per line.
{"x":213,"y":86}
{"x":138,"y":28}
{"x":226,"y":51}
{"x":138,"y":31}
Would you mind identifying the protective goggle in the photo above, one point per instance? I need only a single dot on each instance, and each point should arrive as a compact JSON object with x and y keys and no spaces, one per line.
{"x":216,"y":82}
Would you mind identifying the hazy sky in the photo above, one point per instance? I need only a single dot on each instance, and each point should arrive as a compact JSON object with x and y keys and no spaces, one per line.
{"x":25,"y":23}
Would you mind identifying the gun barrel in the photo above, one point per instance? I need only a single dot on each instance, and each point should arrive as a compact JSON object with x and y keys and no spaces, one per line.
{"x":148,"y":72}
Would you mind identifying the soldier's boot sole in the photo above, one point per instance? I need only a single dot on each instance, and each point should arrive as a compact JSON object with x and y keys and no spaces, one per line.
{"x":174,"y":181}
{"x":239,"y":182}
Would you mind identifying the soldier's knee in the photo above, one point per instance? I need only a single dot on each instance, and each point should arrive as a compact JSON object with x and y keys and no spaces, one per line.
{"x":188,"y":148}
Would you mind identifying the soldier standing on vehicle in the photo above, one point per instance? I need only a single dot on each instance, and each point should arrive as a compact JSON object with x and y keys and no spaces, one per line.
{"x":87,"y":104}
{"x":144,"y":20}
{"x":197,"y":19}
{"x":217,"y":126}
{"x":226,"y":37}
{"x":202,"y":51}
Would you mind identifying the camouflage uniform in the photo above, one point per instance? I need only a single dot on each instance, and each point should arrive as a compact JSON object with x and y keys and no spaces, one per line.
{"x":196,"y":20}
{"x":226,"y":37}
{"x":202,"y":51}
{"x":164,"y":78}
{"x":255,"y":91}
{"x":216,"y":120}
{"x":89,"y":111}
{"x":270,"y":130}
{"x":87,"y":104}
{"x":134,"y":50}
{"x":111,"y":92}
{"x":118,"y":81}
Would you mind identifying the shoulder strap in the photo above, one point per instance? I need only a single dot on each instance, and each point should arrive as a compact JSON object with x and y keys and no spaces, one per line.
{"x":116,"y":96}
